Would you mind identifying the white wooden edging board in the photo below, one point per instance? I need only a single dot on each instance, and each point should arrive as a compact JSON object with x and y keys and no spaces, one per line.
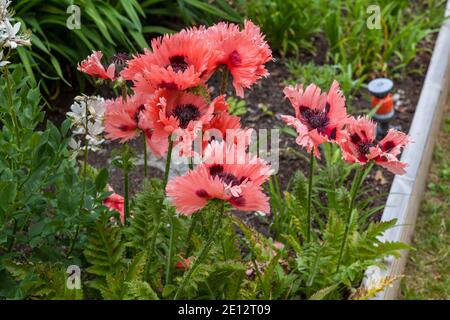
{"x":406,"y":192}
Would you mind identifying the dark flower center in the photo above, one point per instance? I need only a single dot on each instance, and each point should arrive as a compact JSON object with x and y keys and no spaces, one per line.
{"x":227,"y":178}
{"x":364,"y":147}
{"x":120,"y":60}
{"x":215,"y":169}
{"x":178,"y":63}
{"x":186,"y":113}
{"x":314,"y":119}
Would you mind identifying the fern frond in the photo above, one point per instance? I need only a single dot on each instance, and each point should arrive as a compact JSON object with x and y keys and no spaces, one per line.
{"x":140,"y":290}
{"x":104,"y":249}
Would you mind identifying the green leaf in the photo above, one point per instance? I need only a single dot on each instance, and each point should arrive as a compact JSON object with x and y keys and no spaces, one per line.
{"x":8,"y":191}
{"x":323,"y":293}
{"x":101,"y":179}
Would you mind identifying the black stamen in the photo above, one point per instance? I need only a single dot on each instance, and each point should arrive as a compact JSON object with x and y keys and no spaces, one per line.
{"x":314,"y":119}
{"x":186,"y":113}
{"x":178,"y":63}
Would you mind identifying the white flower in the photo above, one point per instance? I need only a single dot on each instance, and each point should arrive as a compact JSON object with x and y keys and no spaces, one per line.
{"x":3,"y":63}
{"x":4,"y":12}
{"x":78,"y":112}
{"x":91,"y":128}
{"x":95,"y":128}
{"x":9,"y":37}
{"x":96,"y":107}
{"x":74,"y":144}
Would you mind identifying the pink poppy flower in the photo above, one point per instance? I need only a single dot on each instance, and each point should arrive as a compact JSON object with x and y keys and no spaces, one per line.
{"x":93,"y":67}
{"x":122,"y":118}
{"x":176,"y":62}
{"x":244,"y":53}
{"x":238,"y":183}
{"x":115,"y":202}
{"x":319,"y":117}
{"x":125,"y":121}
{"x":178,"y":112}
{"x":359,"y":145}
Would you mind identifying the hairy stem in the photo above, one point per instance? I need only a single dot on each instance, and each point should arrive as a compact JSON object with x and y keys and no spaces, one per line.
{"x":152,"y":245}
{"x":203,"y":253}
{"x":308,"y":205}
{"x":126,"y":197}
{"x":124,"y":92}
{"x":145,"y":156}
{"x":168,"y":160}
{"x":72,"y":241}
{"x":194,"y":221}
{"x":353,"y":192}
{"x":170,"y":253}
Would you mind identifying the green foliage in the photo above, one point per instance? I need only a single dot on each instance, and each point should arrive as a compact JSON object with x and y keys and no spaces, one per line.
{"x":37,"y":173}
{"x":288,"y":25}
{"x":323,"y":76}
{"x":237,"y":107}
{"x":293,"y":25}
{"x":384,"y":50}
{"x":38,"y":281}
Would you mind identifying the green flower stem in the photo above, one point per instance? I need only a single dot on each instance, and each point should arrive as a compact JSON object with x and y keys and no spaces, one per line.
{"x":194,"y":221}
{"x":145,"y":155}
{"x":72,"y":241}
{"x":168,"y":160}
{"x":308,"y":205}
{"x":124,"y":92}
{"x":170,"y":252}
{"x":357,"y":180}
{"x":203,"y":253}
{"x":161,"y":204}
{"x":126,"y":196}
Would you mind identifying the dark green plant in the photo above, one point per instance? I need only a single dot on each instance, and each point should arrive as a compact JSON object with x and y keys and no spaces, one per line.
{"x":40,"y":188}
{"x":288,"y":25}
{"x":323,"y":76}
{"x":386,"y":50}
{"x":293,"y":25}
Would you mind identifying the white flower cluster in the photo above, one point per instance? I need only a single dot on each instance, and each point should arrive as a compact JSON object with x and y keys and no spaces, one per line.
{"x":9,"y":37}
{"x":91,"y":128}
